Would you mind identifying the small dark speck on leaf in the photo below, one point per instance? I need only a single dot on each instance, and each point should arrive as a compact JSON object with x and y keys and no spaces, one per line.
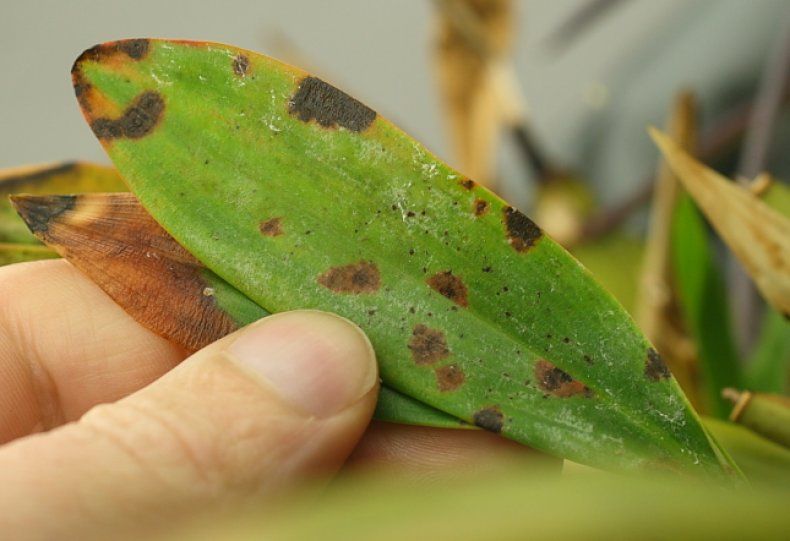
{"x":480,"y":207}
{"x":241,"y":65}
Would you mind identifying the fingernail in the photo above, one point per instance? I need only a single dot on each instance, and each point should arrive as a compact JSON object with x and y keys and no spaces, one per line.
{"x":317,"y":362}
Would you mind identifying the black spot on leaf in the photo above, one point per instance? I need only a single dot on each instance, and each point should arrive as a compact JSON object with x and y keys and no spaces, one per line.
{"x":39,"y":211}
{"x":139,"y":119}
{"x":522,"y":232}
{"x":241,"y":65}
{"x":329,"y":106}
{"x":136,"y":49}
{"x":490,"y":419}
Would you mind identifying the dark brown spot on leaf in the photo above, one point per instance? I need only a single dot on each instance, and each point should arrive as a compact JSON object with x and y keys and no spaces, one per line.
{"x":241,"y":65}
{"x":490,"y":419}
{"x":467,"y":183}
{"x":136,"y":49}
{"x":139,"y":119}
{"x":450,"y":286}
{"x":557,"y":382}
{"x":272,"y":227}
{"x":361,"y":277}
{"x":655,"y":368}
{"x":38,"y":212}
{"x":428,"y":345}
{"x":522,"y":232}
{"x":449,"y":378}
{"x":329,"y":106}
{"x":480,"y":207}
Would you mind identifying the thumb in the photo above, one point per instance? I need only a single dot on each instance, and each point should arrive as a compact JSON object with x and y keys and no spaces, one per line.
{"x":283,"y":399}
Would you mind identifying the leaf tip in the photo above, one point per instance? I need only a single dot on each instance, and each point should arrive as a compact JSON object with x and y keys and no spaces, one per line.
{"x":37,"y":211}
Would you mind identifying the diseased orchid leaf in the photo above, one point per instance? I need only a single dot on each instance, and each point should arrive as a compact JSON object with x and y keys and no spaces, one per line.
{"x":69,"y":177}
{"x":116,"y":243}
{"x":302,"y":197}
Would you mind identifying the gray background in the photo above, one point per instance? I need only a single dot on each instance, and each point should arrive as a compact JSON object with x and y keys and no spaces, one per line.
{"x":589,"y":105}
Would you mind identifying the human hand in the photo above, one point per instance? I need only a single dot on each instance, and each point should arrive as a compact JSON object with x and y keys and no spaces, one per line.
{"x":104,"y":426}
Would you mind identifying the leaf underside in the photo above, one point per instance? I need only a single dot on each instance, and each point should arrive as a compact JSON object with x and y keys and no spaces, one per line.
{"x":302,"y":197}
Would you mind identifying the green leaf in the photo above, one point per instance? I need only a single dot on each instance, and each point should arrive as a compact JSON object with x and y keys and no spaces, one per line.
{"x":768,"y":369}
{"x":508,"y":504}
{"x":69,"y":177}
{"x":761,"y":459}
{"x":396,"y":407}
{"x":777,"y":196}
{"x":703,"y":300}
{"x":18,"y":253}
{"x":301,"y":197}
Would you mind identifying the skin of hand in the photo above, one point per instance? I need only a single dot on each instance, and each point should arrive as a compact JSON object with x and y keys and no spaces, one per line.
{"x":105,"y":425}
